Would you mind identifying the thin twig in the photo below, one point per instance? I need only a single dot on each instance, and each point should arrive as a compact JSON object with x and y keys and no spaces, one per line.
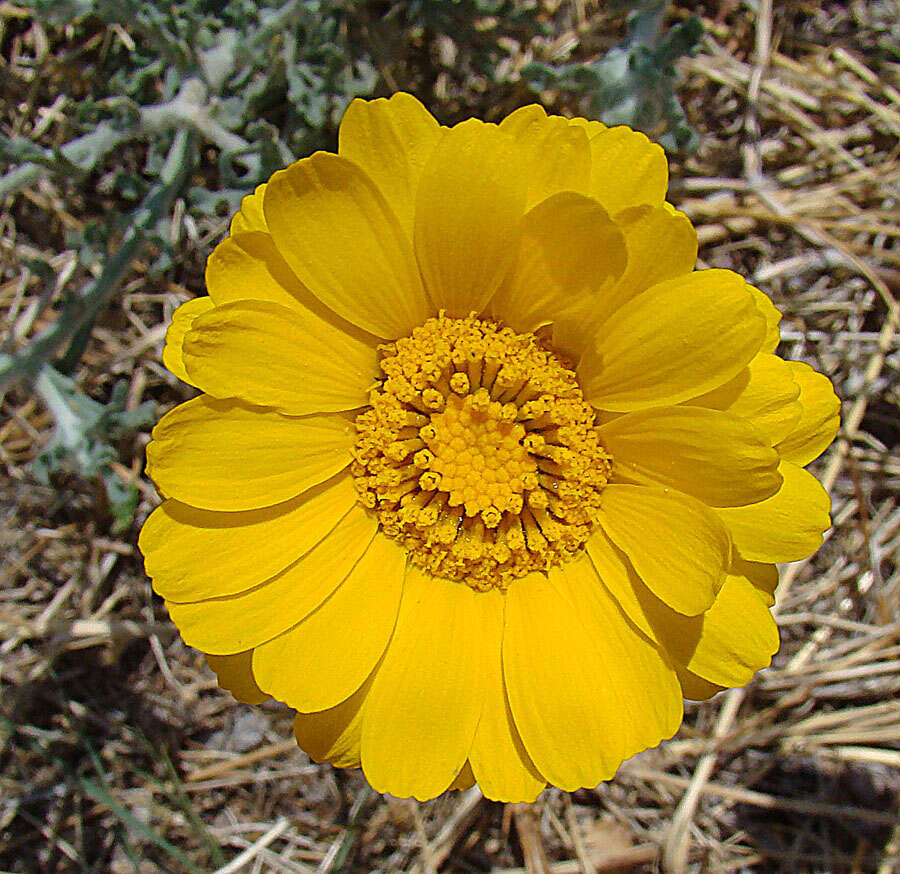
{"x":238,"y":862}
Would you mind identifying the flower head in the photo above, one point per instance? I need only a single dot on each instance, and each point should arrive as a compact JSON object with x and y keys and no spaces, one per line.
{"x":484,"y":478}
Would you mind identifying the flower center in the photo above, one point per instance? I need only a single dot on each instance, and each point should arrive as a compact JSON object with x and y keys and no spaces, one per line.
{"x":479,"y":453}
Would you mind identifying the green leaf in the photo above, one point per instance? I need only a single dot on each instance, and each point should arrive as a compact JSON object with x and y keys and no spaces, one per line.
{"x":635,"y":82}
{"x":83,"y":435}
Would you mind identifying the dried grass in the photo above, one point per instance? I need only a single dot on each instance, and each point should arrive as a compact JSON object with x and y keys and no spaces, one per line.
{"x":118,"y":752}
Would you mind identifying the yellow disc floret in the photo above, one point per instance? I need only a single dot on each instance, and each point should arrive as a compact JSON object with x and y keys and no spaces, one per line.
{"x":479,"y":453}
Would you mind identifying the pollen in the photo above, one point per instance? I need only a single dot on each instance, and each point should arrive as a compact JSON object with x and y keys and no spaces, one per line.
{"x":479,"y":453}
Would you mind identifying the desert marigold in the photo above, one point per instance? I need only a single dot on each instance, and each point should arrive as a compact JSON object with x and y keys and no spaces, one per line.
{"x":484,"y":478}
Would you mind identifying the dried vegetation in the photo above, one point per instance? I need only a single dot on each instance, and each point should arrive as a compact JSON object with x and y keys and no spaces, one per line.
{"x":117,"y":751}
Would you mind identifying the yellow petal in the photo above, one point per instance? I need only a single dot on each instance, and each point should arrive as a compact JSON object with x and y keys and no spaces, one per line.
{"x":786,"y":527}
{"x":763,"y":577}
{"x":426,"y":700}
{"x":334,"y":735}
{"x":819,"y":419}
{"x":465,"y":779}
{"x":469,"y":212}
{"x":340,"y":237}
{"x":677,"y":340}
{"x":267,"y":354}
{"x":570,"y":248}
{"x":641,"y":679}
{"x":182,"y":319}
{"x":250,"y":216}
{"x":234,"y":673}
{"x":764,"y":393}
{"x":499,"y":761}
{"x":695,"y":688}
{"x":726,"y":645}
{"x":317,"y":664}
{"x":391,"y":139}
{"x":192,"y":554}
{"x":711,"y":455}
{"x":590,"y":126}
{"x":620,"y":579}
{"x":738,"y":636}
{"x":567,"y":713}
{"x":627,"y":170}
{"x":660,"y":244}
{"x":557,"y":158}
{"x":223,"y":455}
{"x":770,"y":313}
{"x":224,"y":626}
{"x":247,"y":266}
{"x":555,"y":154}
{"x":676,"y":544}
{"x":520,"y":120}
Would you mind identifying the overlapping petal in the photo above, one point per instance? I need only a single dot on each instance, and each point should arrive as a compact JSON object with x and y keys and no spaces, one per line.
{"x":182,"y":319}
{"x":786,"y":527}
{"x":248,"y":266}
{"x":225,"y":455}
{"x":391,"y":139}
{"x":677,"y":340}
{"x":696,"y":688}
{"x":469,"y":210}
{"x":435,"y":665}
{"x":763,"y":577}
{"x":728,"y":644}
{"x":267,"y":354}
{"x":465,"y":779}
{"x":660,"y":244}
{"x":235,"y":673}
{"x":640,"y":674}
{"x":714,"y":456}
{"x":250,"y":216}
{"x":500,"y":764}
{"x":570,"y":249}
{"x":619,"y":578}
{"x":725,"y":645}
{"x":678,"y":546}
{"x":337,"y":232}
{"x":770,"y":313}
{"x":764,"y":393}
{"x":556,"y":155}
{"x":627,"y":170}
{"x":590,"y":126}
{"x":568,"y":715}
{"x":334,"y":735}
{"x":191,"y":554}
{"x":224,"y":626}
{"x":348,"y":632}
{"x":819,"y":419}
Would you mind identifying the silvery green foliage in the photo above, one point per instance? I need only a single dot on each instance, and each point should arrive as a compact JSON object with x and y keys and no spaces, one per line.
{"x":477,"y":28}
{"x":277,"y":76}
{"x":634,"y":83}
{"x":295,"y":64}
{"x":83,"y":437}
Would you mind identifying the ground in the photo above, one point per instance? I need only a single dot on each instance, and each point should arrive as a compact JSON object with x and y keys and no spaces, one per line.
{"x":119,"y":753}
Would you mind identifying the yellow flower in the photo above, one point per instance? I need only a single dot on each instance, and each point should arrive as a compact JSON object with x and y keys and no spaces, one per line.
{"x":484,"y":478}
